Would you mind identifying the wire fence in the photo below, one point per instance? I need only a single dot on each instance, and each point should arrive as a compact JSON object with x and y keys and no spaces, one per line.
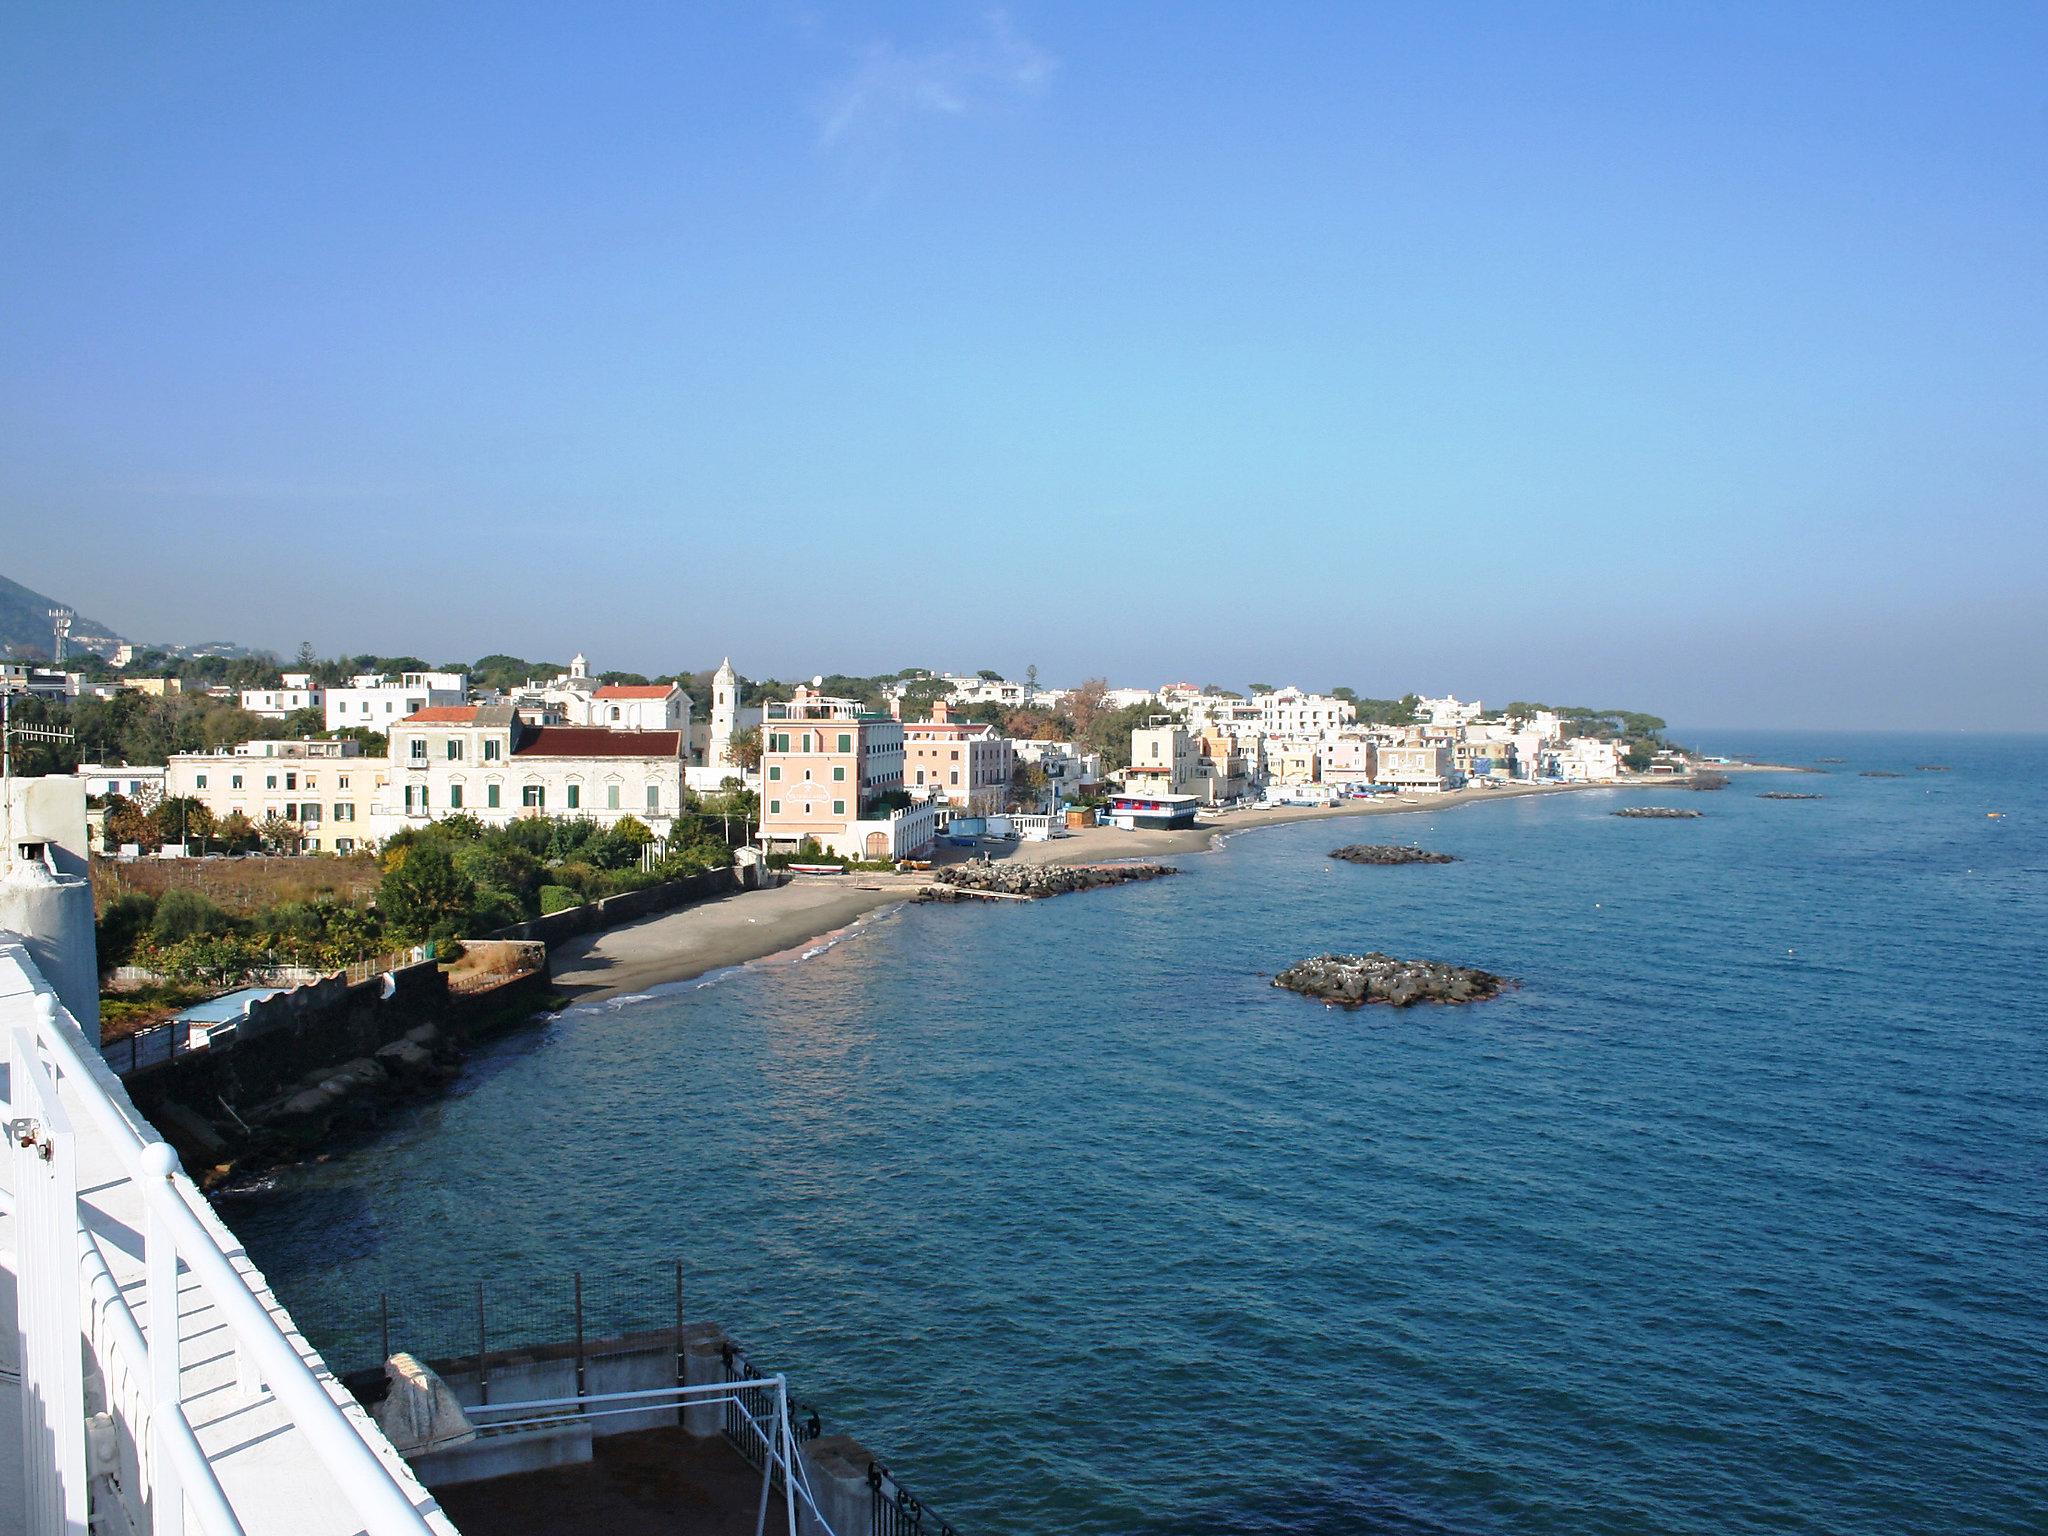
{"x":592,"y":1316}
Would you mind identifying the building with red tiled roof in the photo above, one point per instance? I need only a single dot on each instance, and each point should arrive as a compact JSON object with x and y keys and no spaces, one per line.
{"x":485,"y":761}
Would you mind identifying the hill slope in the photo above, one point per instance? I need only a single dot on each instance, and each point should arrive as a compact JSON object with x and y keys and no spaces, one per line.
{"x":25,"y":621}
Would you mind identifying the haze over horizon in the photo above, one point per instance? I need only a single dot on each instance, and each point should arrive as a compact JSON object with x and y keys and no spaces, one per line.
{"x":1680,"y":359}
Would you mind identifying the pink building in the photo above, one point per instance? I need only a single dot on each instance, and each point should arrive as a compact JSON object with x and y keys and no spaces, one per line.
{"x":965,"y":764}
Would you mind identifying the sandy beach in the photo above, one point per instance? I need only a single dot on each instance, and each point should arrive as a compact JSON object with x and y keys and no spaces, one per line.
{"x":753,"y":925}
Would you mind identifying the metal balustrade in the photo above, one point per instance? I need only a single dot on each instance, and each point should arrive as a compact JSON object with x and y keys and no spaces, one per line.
{"x":64,"y":1124}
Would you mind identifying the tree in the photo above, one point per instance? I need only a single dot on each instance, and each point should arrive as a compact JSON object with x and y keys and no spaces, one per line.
{"x":426,"y":896}
{"x":1028,"y":785}
{"x":237,"y":833}
{"x":307,"y":656}
{"x":746,"y":748}
{"x":1264,"y":688}
{"x":280,"y":835}
{"x":126,"y":822}
{"x":989,"y":675}
{"x":184,"y":820}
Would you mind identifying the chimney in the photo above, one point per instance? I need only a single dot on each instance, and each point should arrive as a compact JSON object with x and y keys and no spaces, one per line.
{"x":942,"y":712}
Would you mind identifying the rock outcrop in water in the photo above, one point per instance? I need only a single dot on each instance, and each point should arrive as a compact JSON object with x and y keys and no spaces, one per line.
{"x":1784,"y":794}
{"x":1930,"y":767}
{"x":1880,"y":773}
{"x":1389,"y":853}
{"x":1657,"y":813}
{"x":961,"y":882}
{"x":1354,"y":980}
{"x":1707,"y":778}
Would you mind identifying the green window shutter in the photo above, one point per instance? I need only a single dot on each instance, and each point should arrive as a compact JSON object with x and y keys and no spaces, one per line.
{"x":838,"y":807}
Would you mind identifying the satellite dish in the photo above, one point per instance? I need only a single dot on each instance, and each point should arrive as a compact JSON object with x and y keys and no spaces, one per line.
{"x":818,"y":681}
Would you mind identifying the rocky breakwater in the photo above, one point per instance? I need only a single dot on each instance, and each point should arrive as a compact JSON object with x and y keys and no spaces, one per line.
{"x":1657,"y":813}
{"x":1784,"y":794}
{"x":1389,"y":853}
{"x":1355,"y":980}
{"x":1879,"y":773}
{"x":1029,"y":882}
{"x":415,"y":1064}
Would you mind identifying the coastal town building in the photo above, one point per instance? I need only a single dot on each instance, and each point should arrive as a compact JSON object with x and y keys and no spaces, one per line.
{"x":142,"y":782}
{"x":1223,"y":771}
{"x":1294,"y":762}
{"x":1164,"y":759}
{"x":376,"y":701}
{"x":634,"y":707}
{"x":1350,"y":760}
{"x":713,"y":765}
{"x":1423,"y":765}
{"x":25,"y":678}
{"x":1070,"y":770}
{"x":1291,"y":712}
{"x":1449,"y":710}
{"x":295,"y":692}
{"x":154,"y":687}
{"x":832,"y":773}
{"x":964,"y":763}
{"x":1581,"y":760}
{"x":326,"y":790}
{"x":482,"y":760}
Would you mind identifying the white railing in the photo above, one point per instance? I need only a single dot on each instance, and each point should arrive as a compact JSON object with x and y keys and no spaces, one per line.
{"x":780,"y":1460}
{"x":59,"y":1111}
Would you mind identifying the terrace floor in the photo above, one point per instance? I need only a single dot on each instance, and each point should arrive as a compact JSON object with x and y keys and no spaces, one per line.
{"x":653,"y":1482}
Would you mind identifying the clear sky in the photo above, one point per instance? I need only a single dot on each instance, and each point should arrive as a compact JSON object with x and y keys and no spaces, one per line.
{"x":1691,"y":357}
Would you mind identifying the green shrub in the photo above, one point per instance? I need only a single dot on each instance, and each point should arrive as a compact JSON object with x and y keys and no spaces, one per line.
{"x":184,"y":915}
{"x":558,"y":898}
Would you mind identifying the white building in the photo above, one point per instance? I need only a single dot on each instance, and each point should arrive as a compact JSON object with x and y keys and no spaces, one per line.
{"x":634,"y":707}
{"x":1292,"y":713}
{"x":1582,"y":760}
{"x":377,"y":702}
{"x":482,"y":760}
{"x":1449,"y":710}
{"x":1071,"y":771}
{"x":144,"y":781}
{"x":297,"y":691}
{"x":711,"y":740}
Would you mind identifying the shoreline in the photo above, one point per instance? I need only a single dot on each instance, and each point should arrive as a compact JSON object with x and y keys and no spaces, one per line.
{"x":745,"y":927}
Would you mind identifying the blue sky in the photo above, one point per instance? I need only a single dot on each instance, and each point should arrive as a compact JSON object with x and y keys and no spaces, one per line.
{"x":1691,"y":357}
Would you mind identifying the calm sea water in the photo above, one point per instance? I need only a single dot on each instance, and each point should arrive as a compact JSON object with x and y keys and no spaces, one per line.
{"x":1734,"y":1218}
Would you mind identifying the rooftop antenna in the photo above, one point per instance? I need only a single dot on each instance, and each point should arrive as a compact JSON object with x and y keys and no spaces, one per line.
{"x":60,"y":628}
{"x":9,"y":731}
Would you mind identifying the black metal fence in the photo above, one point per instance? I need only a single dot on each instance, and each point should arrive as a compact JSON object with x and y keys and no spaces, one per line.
{"x":758,"y":1404}
{"x":897,"y":1511}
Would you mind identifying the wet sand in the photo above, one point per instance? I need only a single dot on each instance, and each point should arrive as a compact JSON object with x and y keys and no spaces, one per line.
{"x":753,"y":925}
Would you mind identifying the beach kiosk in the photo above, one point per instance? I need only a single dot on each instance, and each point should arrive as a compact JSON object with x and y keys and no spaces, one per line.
{"x":1144,"y":810}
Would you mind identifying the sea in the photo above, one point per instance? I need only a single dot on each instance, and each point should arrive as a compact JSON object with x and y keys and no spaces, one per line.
{"x":1732,"y":1217}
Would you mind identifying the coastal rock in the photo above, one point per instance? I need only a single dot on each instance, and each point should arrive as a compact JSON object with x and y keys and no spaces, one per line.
{"x":1657,"y":813}
{"x":1355,"y":980}
{"x":1707,"y":778}
{"x":1880,"y":773}
{"x":1389,"y":853}
{"x":968,"y":882}
{"x":1930,"y":767}
{"x":1785,"y":794}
